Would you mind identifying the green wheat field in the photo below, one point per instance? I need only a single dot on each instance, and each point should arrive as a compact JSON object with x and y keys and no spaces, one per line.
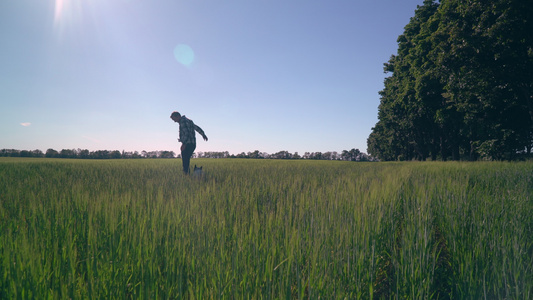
{"x":265,"y":229}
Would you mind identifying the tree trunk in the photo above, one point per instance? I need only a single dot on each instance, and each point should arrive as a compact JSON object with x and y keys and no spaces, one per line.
{"x":442,"y":149}
{"x":529,"y":101}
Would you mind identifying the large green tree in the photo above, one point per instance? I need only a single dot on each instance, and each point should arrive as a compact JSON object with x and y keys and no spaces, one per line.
{"x":461,"y":84}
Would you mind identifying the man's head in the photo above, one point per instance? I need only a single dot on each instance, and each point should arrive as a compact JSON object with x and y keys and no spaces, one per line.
{"x":176,"y":116}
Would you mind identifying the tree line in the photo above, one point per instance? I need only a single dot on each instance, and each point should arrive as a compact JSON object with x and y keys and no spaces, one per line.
{"x":461,"y":84}
{"x":86,"y":154}
{"x":348,"y":155}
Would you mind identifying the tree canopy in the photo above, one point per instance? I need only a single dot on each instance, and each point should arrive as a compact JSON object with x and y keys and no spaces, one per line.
{"x":461,"y":84}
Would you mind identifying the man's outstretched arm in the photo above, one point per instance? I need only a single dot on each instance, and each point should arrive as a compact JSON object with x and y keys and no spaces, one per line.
{"x":200,"y":131}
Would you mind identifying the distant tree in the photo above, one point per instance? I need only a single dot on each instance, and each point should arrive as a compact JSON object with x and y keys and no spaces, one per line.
{"x":241,"y":155}
{"x":345,"y":155}
{"x":282,"y":155}
{"x":315,"y":155}
{"x":256,"y":154}
{"x":10,"y":153}
{"x":213,"y":154}
{"x":83,"y":153}
{"x":115,"y":154}
{"x":51,"y":153}
{"x":327,"y":155}
{"x":335,"y":155}
{"x":100,"y":154}
{"x":364,"y":157}
{"x":167,"y":154}
{"x":67,"y":153}
{"x":37,"y":153}
{"x":354,"y":153}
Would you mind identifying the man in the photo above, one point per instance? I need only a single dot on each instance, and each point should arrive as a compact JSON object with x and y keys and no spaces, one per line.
{"x":187,"y":138}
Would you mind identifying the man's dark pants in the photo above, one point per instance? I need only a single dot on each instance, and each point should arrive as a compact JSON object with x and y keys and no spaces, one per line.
{"x":186,"y":154}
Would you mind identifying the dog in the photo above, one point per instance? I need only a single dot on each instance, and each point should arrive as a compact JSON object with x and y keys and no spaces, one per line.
{"x":197,"y":171}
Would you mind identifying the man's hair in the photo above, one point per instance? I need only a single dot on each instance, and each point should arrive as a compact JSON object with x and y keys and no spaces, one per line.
{"x":175,"y":114}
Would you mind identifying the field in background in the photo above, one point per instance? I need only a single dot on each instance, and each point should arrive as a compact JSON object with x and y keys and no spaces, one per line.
{"x":265,"y":229}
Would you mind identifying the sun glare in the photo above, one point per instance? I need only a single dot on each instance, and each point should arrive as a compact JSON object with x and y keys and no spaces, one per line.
{"x":68,"y":13}
{"x":58,"y":11}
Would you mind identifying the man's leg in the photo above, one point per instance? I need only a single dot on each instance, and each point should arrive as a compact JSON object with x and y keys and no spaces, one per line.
{"x":186,"y":156}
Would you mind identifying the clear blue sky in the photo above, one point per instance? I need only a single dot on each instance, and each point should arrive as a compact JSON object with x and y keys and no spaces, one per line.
{"x":267,"y":75}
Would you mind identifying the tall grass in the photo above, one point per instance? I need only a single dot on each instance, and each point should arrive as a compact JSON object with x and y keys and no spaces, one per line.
{"x":264,"y":229}
{"x":487,"y":212}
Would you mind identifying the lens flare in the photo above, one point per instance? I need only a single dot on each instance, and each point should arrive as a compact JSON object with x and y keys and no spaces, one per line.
{"x":184,"y":54}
